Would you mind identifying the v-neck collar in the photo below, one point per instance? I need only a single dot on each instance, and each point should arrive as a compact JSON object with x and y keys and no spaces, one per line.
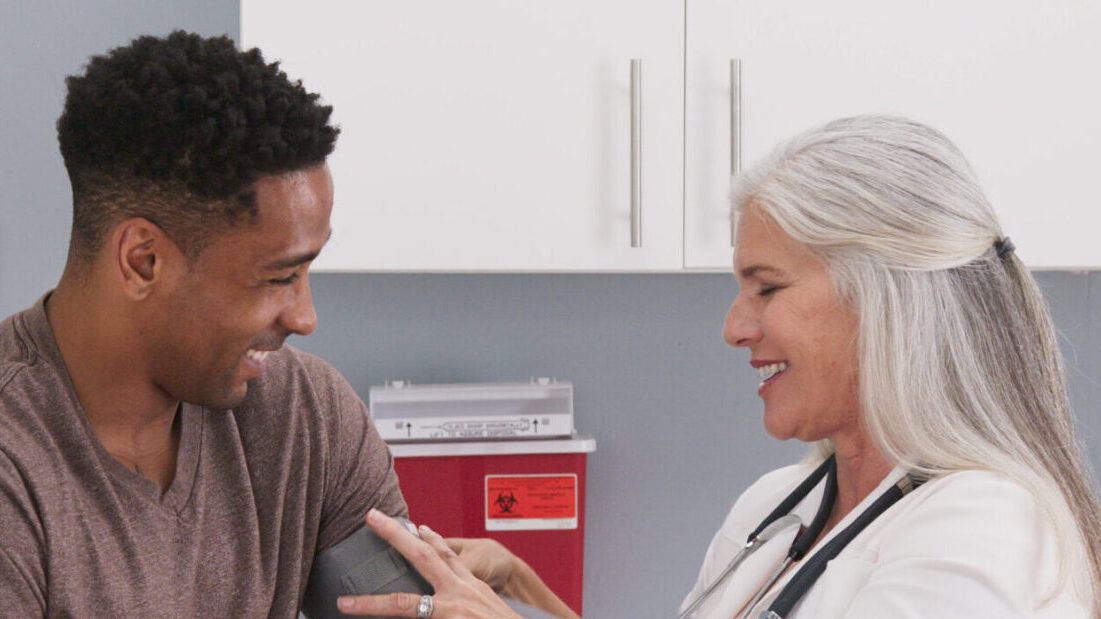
{"x":174,"y":498}
{"x":192,"y":421}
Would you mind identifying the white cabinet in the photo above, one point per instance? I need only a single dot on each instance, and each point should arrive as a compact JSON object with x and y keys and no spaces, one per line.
{"x":491,"y":135}
{"x":494,"y":135}
{"x":1015,"y":83}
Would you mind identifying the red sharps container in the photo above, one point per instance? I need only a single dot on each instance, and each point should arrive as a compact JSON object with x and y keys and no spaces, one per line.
{"x":498,"y":460}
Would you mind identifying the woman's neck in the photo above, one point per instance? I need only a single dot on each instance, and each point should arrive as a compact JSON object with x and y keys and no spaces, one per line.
{"x":860,"y":469}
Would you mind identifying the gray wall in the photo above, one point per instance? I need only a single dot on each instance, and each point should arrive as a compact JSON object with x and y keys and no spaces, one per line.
{"x":673,"y":410}
{"x":41,"y":43}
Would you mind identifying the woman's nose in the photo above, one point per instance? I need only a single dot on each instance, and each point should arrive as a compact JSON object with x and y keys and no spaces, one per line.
{"x":741,"y":326}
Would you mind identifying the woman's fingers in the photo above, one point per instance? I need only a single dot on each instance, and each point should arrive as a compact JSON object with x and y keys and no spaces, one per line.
{"x":458,"y":593}
{"x":444,"y":550}
{"x":423,"y":556}
{"x":388,"y":605}
{"x":456,"y":544}
{"x":486,"y":559}
{"x":396,"y":605}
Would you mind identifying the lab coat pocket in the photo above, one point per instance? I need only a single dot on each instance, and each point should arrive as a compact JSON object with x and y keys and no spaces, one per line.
{"x":838,"y":585}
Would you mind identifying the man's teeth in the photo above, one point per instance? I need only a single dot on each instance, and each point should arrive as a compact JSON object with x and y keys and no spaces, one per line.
{"x":258,"y":355}
{"x":766,"y":372}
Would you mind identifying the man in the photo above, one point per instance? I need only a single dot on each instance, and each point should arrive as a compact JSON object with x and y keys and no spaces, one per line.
{"x":162,"y":454}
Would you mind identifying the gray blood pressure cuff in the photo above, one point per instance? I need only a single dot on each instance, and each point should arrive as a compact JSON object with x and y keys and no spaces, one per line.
{"x":362,"y":564}
{"x":365,"y":564}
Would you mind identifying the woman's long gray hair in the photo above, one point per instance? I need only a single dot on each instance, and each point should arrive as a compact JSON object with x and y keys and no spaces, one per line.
{"x":959,"y":365}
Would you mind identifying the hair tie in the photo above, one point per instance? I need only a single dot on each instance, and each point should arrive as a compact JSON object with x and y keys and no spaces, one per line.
{"x":1003,"y":246}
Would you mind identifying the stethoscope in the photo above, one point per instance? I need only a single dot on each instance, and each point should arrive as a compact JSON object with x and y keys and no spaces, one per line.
{"x":781,"y":519}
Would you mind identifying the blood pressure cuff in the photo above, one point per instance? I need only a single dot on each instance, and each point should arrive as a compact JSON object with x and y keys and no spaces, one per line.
{"x":362,"y":564}
{"x":365,"y":564}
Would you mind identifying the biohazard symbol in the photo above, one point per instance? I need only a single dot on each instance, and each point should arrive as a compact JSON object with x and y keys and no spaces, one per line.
{"x":505,"y":502}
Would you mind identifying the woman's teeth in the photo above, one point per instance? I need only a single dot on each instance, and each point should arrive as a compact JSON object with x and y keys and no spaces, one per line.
{"x":766,"y":372}
{"x":258,"y":355}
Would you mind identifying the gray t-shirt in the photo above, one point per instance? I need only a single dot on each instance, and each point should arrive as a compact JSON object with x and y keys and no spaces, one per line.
{"x":258,"y":492}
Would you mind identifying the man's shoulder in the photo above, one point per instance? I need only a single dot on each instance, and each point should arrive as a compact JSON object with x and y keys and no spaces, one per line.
{"x":310,"y":364}
{"x":297,"y":381}
{"x":291,"y":368}
{"x":25,"y":372}
{"x":15,"y":349}
{"x":36,"y":415}
{"x":23,"y":333}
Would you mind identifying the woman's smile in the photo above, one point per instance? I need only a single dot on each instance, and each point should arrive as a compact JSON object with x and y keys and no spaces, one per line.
{"x":768,"y":371}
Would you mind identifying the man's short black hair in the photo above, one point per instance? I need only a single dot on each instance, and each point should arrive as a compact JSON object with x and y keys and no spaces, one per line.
{"x":177,"y":129}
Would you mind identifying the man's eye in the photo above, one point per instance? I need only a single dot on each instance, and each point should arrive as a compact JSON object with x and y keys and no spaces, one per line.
{"x":767,"y":290}
{"x":284,"y":281}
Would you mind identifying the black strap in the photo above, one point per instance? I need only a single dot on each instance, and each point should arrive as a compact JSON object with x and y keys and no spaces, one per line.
{"x":800,"y":493}
{"x":805,"y":578}
{"x":807,"y":537}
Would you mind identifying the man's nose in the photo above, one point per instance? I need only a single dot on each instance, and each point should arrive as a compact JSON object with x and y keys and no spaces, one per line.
{"x":299,"y":317}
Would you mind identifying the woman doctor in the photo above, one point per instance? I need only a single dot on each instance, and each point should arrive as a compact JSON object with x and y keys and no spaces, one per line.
{"x":896,"y":331}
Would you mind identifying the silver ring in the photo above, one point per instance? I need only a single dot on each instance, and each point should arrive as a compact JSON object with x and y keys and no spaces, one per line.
{"x":424,"y":607}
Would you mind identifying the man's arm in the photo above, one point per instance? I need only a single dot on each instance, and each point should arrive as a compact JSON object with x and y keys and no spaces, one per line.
{"x":360,"y":470}
{"x":19,"y":597}
{"x":22,"y":579}
{"x":458,"y":593}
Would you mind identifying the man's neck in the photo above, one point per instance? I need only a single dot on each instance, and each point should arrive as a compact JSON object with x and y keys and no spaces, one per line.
{"x":135,"y":421}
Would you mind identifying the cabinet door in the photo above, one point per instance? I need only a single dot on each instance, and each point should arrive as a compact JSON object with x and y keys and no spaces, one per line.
{"x":1013,"y":82}
{"x":491,"y":135}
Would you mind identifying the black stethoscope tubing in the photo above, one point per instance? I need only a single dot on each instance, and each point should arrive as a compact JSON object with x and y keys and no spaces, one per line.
{"x":808,"y":574}
{"x":806,"y":537}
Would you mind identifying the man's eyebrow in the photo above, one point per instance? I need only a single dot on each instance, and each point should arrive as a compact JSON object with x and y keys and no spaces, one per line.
{"x":293,"y":261}
{"x":754,"y":269}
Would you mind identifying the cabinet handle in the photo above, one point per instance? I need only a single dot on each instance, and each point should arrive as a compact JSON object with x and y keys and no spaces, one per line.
{"x":735,"y":128}
{"x":636,"y":152}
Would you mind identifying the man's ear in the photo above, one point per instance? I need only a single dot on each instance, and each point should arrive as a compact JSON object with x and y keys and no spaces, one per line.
{"x":141,"y":250}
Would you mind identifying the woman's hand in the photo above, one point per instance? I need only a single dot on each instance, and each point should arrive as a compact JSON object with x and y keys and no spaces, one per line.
{"x":508,"y":574}
{"x":459,"y":595}
{"x":487,"y":559}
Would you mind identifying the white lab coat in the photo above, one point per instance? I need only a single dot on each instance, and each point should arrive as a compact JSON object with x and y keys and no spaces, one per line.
{"x":968,"y":545}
